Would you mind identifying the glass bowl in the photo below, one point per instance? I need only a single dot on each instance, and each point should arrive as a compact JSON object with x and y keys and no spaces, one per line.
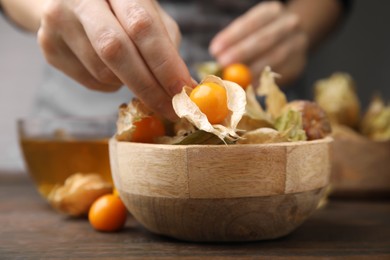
{"x":55,"y":148}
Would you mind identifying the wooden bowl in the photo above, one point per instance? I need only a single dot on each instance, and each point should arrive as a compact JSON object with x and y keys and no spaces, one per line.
{"x":221,"y":193}
{"x":360,"y":167}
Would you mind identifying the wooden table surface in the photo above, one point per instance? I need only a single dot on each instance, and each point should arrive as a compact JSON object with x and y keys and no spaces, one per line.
{"x":29,"y":229}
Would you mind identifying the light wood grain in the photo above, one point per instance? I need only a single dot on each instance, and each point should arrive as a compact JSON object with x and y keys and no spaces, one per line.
{"x":221,"y":220}
{"x":30,"y":229}
{"x":218,"y":192}
{"x":307,"y":167}
{"x":151,"y":170}
{"x":236,"y":171}
{"x":360,"y":167}
{"x":218,"y":171}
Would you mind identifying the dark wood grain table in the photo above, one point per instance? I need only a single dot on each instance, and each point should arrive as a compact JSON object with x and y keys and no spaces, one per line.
{"x":29,"y":229}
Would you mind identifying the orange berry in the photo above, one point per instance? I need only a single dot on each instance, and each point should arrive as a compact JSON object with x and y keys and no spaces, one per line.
{"x":211,"y":99}
{"x":107,"y":213}
{"x":147,"y":129}
{"x":238,"y":73}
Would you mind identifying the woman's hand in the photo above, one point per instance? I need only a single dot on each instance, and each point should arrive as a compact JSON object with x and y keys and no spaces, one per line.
{"x":105,"y":44}
{"x":268,"y":34}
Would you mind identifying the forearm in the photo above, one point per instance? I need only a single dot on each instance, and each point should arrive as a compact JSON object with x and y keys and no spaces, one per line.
{"x":318,"y":18}
{"x":24,"y":13}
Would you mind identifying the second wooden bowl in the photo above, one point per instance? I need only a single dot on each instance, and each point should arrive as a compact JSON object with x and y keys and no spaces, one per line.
{"x":360,"y":167}
{"x":221,"y":193}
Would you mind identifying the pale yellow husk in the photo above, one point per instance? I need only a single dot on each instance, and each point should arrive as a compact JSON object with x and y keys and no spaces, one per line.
{"x":275,"y":98}
{"x":127,"y":115}
{"x":337,"y":96}
{"x":236,"y":102}
{"x":79,"y":191}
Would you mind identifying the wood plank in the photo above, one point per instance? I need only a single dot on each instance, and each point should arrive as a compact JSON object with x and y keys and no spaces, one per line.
{"x":31,"y":230}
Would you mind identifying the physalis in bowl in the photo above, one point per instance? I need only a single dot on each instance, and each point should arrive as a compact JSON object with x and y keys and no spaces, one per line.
{"x":219,"y":111}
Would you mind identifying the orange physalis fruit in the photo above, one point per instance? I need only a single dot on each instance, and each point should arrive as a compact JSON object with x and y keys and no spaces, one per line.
{"x":238,"y":73}
{"x":211,"y":99}
{"x":107,"y":213}
{"x":147,"y":129}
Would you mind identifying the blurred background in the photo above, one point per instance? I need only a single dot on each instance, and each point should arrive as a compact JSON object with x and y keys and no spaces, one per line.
{"x":361,"y":48}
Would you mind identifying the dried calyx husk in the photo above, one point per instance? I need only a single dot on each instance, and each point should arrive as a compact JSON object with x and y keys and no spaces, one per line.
{"x":314,"y":119}
{"x":236,"y":102}
{"x":337,"y":96}
{"x":376,"y":121}
{"x":275,"y":99}
{"x":255,"y":116}
{"x":279,"y":121}
{"x":79,"y":191}
{"x":290,"y":125}
{"x":263,"y":135}
{"x":127,"y":115}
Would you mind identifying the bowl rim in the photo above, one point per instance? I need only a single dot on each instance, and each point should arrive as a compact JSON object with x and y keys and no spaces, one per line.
{"x":327,"y":139}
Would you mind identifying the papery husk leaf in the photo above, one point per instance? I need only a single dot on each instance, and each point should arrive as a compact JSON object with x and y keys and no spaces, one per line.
{"x":290,"y":125}
{"x":79,"y":191}
{"x":275,"y":98}
{"x":236,"y":102}
{"x":337,"y":96}
{"x":248,"y":123}
{"x":169,"y":139}
{"x":262,"y":136}
{"x":376,"y":121}
{"x":127,"y":115}
{"x":183,"y":127}
{"x":202,"y":137}
{"x":207,"y":68}
{"x":254,"y":117}
{"x":314,"y":119}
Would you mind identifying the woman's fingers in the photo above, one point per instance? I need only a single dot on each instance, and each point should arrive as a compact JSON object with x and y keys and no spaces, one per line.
{"x":142,"y":23}
{"x":75,"y":38}
{"x":118,"y":52}
{"x":58,"y":54}
{"x":244,"y":26}
{"x":267,"y":35}
{"x":286,"y":58}
{"x":103,"y":44}
{"x":73,"y":57}
{"x":261,"y":41}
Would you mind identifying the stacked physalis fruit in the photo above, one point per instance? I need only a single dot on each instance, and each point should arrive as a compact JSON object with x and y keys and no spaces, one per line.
{"x":337,"y":96}
{"x":219,"y":111}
